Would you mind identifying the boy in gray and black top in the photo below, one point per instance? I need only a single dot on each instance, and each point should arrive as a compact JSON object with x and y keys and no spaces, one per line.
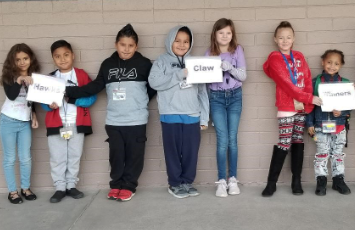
{"x":125,"y":76}
{"x":184,"y":110}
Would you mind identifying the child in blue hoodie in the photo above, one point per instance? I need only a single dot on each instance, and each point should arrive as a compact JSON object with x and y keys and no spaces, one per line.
{"x":184,"y":110}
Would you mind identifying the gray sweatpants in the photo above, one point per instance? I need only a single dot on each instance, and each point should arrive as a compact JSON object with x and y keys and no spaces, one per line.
{"x":65,"y":159}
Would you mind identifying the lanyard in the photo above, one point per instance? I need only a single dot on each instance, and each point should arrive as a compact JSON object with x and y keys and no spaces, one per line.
{"x":182,"y":64}
{"x":293,"y":76}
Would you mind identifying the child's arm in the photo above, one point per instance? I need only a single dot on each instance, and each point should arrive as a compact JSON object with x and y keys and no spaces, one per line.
{"x":49,"y":107}
{"x":311,"y":116}
{"x":159,"y":80}
{"x":151,"y":92}
{"x":92,"y":88}
{"x":84,"y":102}
{"x":310,"y":122}
{"x":34,"y":120}
{"x":204,"y":104}
{"x":46,"y":107}
{"x":286,"y":85}
{"x":239,"y":72}
{"x":344,"y":113}
{"x":12,"y":91}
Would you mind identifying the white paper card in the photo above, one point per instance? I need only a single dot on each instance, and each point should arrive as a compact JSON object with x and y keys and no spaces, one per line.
{"x":204,"y":69}
{"x":337,"y":96}
{"x":46,"y":89}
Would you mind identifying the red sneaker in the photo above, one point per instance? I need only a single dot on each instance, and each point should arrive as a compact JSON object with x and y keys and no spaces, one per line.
{"x":125,"y":195}
{"x":113,"y":194}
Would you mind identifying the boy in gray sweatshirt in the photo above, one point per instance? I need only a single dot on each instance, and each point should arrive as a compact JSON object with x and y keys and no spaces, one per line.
{"x":184,"y":110}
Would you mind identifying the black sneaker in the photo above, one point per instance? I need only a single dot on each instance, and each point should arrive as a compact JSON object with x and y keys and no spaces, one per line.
{"x":340,"y":186}
{"x":15,"y":198}
{"x":57,"y":197}
{"x":76,"y":194}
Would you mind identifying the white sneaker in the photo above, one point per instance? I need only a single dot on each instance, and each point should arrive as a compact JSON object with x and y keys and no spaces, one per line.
{"x":233,"y":188}
{"x":221,"y":188}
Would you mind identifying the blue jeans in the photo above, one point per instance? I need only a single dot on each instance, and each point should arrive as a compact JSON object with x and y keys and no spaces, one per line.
{"x":16,"y":133}
{"x":226,"y":108}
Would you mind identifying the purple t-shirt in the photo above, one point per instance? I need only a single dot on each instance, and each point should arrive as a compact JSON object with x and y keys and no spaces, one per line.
{"x":238,"y":61}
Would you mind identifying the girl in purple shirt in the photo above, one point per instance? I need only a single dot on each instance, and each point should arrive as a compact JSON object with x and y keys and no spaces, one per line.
{"x":226,"y":102}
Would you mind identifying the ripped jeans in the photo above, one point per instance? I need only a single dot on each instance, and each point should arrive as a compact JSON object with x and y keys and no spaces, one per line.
{"x":329,"y":145}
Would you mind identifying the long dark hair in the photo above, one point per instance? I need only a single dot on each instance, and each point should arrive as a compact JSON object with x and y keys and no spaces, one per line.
{"x":10,"y":72}
{"x":221,"y":24}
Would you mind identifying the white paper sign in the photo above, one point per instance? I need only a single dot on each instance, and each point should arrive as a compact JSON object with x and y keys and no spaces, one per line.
{"x":46,"y":89}
{"x":204,"y":69}
{"x":337,"y":96}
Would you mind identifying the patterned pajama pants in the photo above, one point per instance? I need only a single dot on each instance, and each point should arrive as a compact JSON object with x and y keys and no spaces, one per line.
{"x":330,"y":145}
{"x":291,"y":130}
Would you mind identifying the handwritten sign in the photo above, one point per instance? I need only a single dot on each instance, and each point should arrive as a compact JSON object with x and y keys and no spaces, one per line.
{"x":337,"y":96}
{"x":46,"y":89}
{"x":203,"y":70}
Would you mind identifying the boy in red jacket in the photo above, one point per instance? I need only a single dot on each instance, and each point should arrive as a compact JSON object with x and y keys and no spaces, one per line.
{"x":67,"y":125}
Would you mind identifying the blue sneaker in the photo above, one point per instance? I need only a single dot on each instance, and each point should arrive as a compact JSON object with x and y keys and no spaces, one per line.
{"x":190,"y":190}
{"x":178,"y":191}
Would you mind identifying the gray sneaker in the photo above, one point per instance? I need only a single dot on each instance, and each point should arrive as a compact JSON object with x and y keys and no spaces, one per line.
{"x":190,"y":190}
{"x":178,"y":191}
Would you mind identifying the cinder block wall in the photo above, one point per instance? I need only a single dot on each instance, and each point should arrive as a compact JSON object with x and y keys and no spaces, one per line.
{"x":91,"y":26}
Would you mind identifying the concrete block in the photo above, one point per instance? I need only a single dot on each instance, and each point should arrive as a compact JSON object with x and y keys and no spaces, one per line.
{"x":153,"y":178}
{"x":217,"y":4}
{"x":35,"y":44}
{"x":113,"y":5}
{"x":269,"y":137}
{"x":13,"y":31}
{"x":206,"y":163}
{"x":178,"y":15}
{"x":293,"y":3}
{"x":254,"y":3}
{"x":13,"y":7}
{"x":77,"y":6}
{"x":128,"y":16}
{"x":154,"y":165}
{"x":328,"y":37}
{"x":101,"y":166}
{"x":95,"y":154}
{"x":335,"y":11}
{"x":268,"y":113}
{"x":183,"y":4}
{"x":95,"y":179}
{"x":276,"y":13}
{"x":248,"y":138}
{"x":39,"y":6}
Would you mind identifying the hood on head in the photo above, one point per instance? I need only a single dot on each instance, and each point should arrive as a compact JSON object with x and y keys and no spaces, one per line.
{"x":171,"y":38}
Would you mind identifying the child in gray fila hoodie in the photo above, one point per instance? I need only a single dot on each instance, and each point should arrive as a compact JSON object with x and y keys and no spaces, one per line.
{"x":184,"y":110}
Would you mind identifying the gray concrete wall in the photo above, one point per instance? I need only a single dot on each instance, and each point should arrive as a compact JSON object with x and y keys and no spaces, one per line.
{"x":91,"y":26}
